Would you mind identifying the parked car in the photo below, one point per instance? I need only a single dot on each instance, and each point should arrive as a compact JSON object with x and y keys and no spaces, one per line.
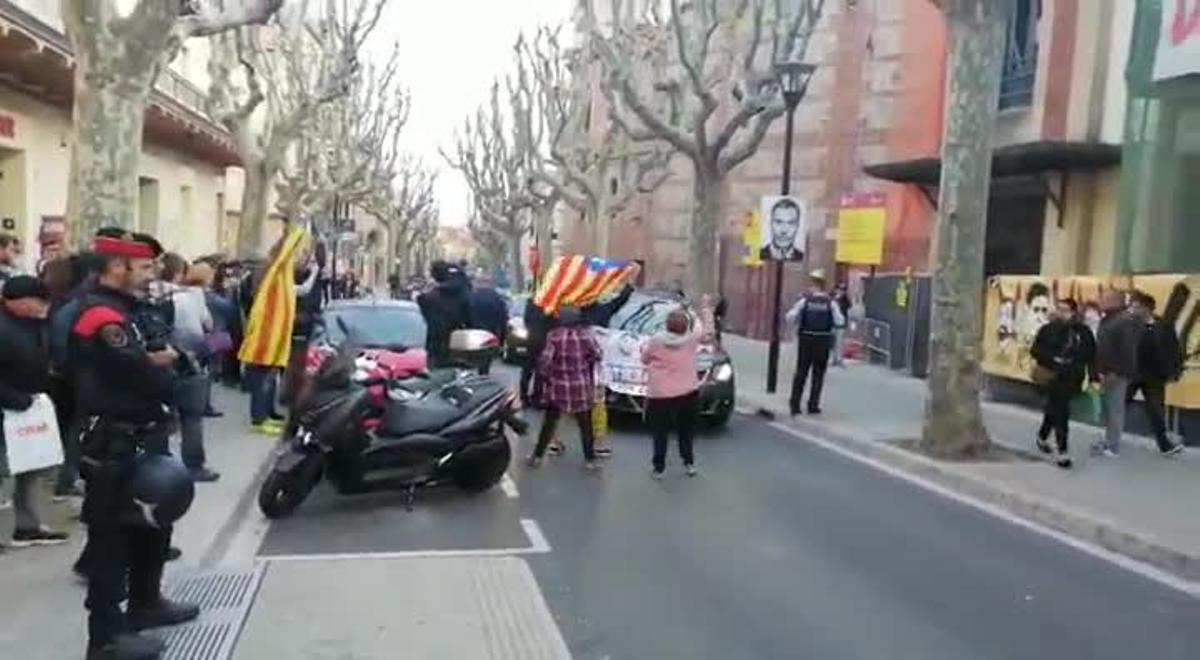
{"x":625,"y":377}
{"x":516,"y":339}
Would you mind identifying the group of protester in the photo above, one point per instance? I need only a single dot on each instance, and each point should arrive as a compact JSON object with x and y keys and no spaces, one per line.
{"x":127,"y":341}
{"x":1132,"y":351}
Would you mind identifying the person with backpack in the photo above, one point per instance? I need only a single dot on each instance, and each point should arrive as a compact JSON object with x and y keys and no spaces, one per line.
{"x":1160,"y":361}
{"x":816,"y":315}
{"x":1064,"y":350}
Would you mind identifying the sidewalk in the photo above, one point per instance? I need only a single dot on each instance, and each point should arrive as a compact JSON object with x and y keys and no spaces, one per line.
{"x":1139,"y":505}
{"x":43,"y":616}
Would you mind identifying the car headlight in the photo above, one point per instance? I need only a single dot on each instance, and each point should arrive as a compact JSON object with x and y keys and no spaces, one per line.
{"x":723,"y":373}
{"x":520,"y":332}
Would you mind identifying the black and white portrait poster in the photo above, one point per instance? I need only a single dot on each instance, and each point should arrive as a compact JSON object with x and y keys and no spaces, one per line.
{"x":784,"y":228}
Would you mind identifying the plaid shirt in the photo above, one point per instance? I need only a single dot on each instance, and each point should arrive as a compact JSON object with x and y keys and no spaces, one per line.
{"x":568,"y":365}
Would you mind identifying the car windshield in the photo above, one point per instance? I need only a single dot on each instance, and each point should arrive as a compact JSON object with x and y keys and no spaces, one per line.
{"x":381,"y":327}
{"x":643,"y":315}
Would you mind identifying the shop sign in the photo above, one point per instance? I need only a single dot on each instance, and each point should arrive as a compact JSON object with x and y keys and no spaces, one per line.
{"x":1179,"y":41}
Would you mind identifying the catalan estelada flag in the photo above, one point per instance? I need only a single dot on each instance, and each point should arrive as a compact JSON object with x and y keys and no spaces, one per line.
{"x":268,"y":338}
{"x":580,"y":281}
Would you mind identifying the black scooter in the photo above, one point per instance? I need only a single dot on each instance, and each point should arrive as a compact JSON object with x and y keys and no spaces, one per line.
{"x":366,"y":435}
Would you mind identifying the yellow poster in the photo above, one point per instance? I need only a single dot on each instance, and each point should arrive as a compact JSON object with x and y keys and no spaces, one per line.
{"x":862,"y":223}
{"x":1018,"y":306}
{"x":752,"y":237}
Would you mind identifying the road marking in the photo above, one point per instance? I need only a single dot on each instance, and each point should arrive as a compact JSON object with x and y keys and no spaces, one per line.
{"x":1141,"y":568}
{"x":509,"y":487}
{"x":538,"y":545}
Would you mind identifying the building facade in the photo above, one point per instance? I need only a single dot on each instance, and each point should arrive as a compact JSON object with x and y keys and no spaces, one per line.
{"x":183,"y":167}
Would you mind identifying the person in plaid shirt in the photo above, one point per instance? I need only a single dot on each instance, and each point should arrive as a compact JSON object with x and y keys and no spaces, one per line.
{"x":567,"y":365}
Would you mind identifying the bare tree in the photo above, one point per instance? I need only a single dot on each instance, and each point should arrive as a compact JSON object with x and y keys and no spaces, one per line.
{"x":423,"y":248}
{"x":401,"y":207}
{"x":284,"y":81}
{"x":118,"y":57}
{"x":551,"y":107}
{"x":497,"y":172}
{"x":691,"y":57}
{"x":953,"y":417}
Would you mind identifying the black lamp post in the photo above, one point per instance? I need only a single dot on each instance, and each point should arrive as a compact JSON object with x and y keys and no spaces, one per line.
{"x":793,"y":79}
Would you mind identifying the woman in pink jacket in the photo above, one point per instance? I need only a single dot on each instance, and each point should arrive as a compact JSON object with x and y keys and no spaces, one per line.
{"x":671,"y":389}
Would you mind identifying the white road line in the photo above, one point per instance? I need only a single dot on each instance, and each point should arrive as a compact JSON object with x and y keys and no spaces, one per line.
{"x":509,"y":487}
{"x":1141,"y":568}
{"x":537,"y":546}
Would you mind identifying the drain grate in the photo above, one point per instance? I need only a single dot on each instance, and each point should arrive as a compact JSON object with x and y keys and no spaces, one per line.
{"x":224,"y":597}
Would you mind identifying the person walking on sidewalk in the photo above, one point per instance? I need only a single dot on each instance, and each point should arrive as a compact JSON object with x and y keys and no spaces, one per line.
{"x":568,"y":366}
{"x":1117,"y":342}
{"x":1064,"y":350}
{"x":816,"y":315}
{"x":842,"y":298}
{"x":24,"y":372}
{"x":1160,"y":361}
{"x":672,"y":387}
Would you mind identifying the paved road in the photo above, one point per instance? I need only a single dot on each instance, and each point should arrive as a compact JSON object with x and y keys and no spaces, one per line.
{"x":778,"y":550}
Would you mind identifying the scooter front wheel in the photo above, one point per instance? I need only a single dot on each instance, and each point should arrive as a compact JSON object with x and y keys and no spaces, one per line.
{"x":282,"y":492}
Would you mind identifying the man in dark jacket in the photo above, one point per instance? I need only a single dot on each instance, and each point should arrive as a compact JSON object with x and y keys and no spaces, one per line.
{"x":1160,"y":361}
{"x":446,"y":308}
{"x":24,"y":373}
{"x":489,"y":311}
{"x":1117,"y":342}
{"x":1065,"y":349}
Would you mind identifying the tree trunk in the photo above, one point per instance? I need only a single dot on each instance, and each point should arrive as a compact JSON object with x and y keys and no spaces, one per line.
{"x":514,"y":261}
{"x":107,"y":145}
{"x":953,"y":417}
{"x":255,"y":190}
{"x":599,"y":215}
{"x":543,"y":236}
{"x":706,"y":220}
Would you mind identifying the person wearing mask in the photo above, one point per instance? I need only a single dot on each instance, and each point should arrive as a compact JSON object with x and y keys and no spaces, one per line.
{"x":24,"y":373}
{"x":815,"y":316}
{"x":489,"y":311}
{"x":568,"y":366}
{"x":446,"y":308}
{"x":10,"y":254}
{"x":672,"y":388}
{"x":1064,"y":351}
{"x":1160,"y":361}
{"x":125,"y":387}
{"x":1117,"y":342}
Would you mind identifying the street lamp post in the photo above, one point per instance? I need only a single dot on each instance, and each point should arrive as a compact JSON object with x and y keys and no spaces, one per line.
{"x":793,"y":78}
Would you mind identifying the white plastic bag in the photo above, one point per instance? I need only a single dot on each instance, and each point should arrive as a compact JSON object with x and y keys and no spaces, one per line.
{"x":32,"y":438}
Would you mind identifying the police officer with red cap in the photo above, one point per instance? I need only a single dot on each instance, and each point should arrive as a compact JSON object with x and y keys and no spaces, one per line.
{"x":124,"y":389}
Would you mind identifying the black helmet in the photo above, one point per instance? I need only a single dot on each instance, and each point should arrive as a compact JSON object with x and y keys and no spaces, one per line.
{"x":162,"y":489}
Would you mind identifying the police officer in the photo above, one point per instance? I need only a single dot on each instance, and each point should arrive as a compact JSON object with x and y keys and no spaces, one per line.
{"x":816,"y":315}
{"x":123,"y":392}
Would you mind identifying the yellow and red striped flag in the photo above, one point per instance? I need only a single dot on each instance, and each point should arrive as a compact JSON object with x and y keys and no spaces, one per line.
{"x":268,"y":338}
{"x":579,"y":281}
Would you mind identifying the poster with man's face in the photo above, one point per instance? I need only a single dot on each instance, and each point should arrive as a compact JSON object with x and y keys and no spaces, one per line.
{"x":784,"y":228}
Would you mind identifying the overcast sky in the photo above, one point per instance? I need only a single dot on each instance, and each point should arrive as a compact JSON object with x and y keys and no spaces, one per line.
{"x":451,"y":50}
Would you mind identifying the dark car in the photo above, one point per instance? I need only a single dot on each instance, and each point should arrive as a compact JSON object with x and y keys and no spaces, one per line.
{"x":625,"y":377}
{"x":516,"y":339}
{"x":395,"y":325}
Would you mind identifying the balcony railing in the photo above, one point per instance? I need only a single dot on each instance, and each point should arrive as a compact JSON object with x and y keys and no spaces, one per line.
{"x":41,"y":18}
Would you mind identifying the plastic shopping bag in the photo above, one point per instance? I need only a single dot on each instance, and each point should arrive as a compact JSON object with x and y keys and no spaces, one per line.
{"x":1088,"y":406}
{"x":31,"y":437}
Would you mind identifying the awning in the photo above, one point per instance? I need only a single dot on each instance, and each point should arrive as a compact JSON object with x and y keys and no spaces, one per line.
{"x":1030,"y":158}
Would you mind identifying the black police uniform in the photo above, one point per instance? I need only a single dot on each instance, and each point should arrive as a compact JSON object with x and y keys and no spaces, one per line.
{"x":816,"y":322}
{"x":123,"y":397}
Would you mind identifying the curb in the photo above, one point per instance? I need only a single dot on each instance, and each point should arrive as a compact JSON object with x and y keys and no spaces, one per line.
{"x":1056,"y":516}
{"x":241,"y":510}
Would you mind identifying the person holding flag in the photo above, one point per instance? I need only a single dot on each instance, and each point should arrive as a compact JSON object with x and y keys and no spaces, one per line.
{"x":266,"y":347}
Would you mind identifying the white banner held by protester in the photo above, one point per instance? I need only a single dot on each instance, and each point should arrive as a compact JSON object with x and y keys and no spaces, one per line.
{"x":31,"y":437}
